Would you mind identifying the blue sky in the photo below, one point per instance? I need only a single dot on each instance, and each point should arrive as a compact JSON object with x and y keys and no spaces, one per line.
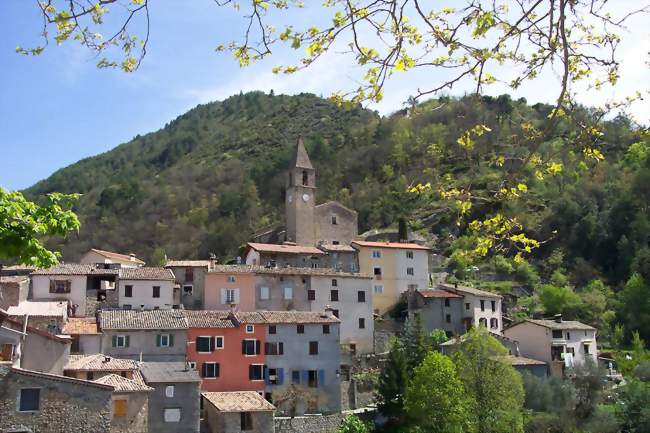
{"x":58,"y":107}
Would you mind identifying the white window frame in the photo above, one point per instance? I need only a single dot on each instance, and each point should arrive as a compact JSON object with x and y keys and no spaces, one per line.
{"x":262,"y":379}
{"x":169,"y":391}
{"x":254,"y":347}
{"x":215,"y":371}
{"x":378,"y":286}
{"x":376,"y":254}
{"x":265,"y":293}
{"x":117,"y":341}
{"x":171,"y":419}
{"x":218,"y":338}
{"x":289,"y":291}
{"x":166,"y":336}
{"x":231,"y":278}
{"x":192,"y":365}
{"x":410,"y":271}
{"x":197,"y":347}
{"x":230,"y":299}
{"x":250,"y":329}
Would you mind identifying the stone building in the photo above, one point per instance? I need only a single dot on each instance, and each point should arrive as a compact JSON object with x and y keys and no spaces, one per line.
{"x":284,"y":255}
{"x":86,"y":338}
{"x":190,"y":276}
{"x":479,"y":307}
{"x":175,"y":400}
{"x":130,"y":403}
{"x":13,"y":290}
{"x":49,"y":316}
{"x":39,"y":402}
{"x":234,"y":412}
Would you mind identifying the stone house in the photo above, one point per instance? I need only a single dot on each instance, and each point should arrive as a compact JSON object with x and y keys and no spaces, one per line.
{"x":340,"y":257}
{"x":480,"y":307}
{"x":13,"y":290}
{"x":41,"y":402}
{"x":190,"y":276}
{"x":49,"y":316}
{"x":438,"y":309}
{"x":560,"y":343}
{"x":95,"y":256}
{"x":153,"y":335}
{"x":86,"y":338}
{"x":396,"y":268}
{"x":130,"y":401}
{"x":235,"y":412}
{"x":303,"y":358}
{"x":93,"y":367}
{"x":174,"y":404}
{"x":145,"y":288}
{"x":284,"y":255}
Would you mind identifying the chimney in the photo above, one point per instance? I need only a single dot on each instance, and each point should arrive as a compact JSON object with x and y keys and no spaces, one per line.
{"x":558,"y":318}
{"x":132,"y":257}
{"x":107,"y":358}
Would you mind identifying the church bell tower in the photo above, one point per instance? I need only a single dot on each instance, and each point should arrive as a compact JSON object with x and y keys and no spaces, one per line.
{"x":300,"y":198}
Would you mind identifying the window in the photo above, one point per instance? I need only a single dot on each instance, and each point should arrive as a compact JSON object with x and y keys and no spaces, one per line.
{"x":334,"y":222}
{"x":335,"y":242}
{"x":128,"y":291}
{"x":568,"y":335}
{"x":250,"y":347}
{"x":467,"y":305}
{"x":246,"y":421}
{"x":313,"y":347}
{"x":300,"y":329}
{"x":188,"y":289}
{"x":126,"y":306}
{"x":557,"y":333}
{"x":378,"y":288}
{"x":361,"y":296}
{"x":169,"y":391}
{"x":59,"y":286}
{"x":446,"y":302}
{"x":256,"y":372}
{"x":172,"y":414}
{"x":312,"y":378}
{"x":362,"y":323}
{"x":192,"y":365}
{"x":295,"y":377}
{"x":586,"y":347}
{"x":494,"y":306}
{"x":288,"y":293}
{"x":376,"y":254}
{"x":264,"y":293}
{"x":377,"y":272}
{"x":210,"y":370}
{"x":482,"y":305}
{"x":29,"y":400}
{"x":334,"y":295}
{"x":250,"y":329}
{"x":273,"y":376}
{"x":228,"y":296}
{"x":410,"y":271}
{"x":448,"y":318}
{"x":156,"y":291}
{"x":326,"y":329}
{"x":409,"y":254}
{"x":353,"y":348}
{"x":204,"y":344}
{"x":305,"y":177}
{"x":164,"y":340}
{"x":335,"y":313}
{"x":482,"y":322}
{"x":121,"y":340}
{"x":189,"y":274}
{"x":218,"y":342}
{"x":231,"y":278}
{"x":273,"y":348}
{"x":119,"y":408}
{"x":272,"y":329}
{"x":494,"y":323}
{"x":311,"y":295}
{"x":314,"y":265}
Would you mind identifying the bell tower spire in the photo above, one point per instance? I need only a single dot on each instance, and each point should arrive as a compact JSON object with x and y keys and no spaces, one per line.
{"x":300,"y":198}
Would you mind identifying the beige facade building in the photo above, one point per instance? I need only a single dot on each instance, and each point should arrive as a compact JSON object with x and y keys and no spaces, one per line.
{"x":395,"y":267}
{"x":95,"y":256}
{"x":480,"y":308}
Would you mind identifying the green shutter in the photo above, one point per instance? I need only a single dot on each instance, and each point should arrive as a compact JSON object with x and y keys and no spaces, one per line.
{"x":157,"y":340}
{"x":126,"y":341}
{"x":171,"y":340}
{"x":114,"y":340}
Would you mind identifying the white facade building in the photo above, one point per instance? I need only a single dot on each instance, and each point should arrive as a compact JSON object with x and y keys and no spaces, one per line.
{"x":146,"y":288}
{"x":479,"y":307}
{"x":62,"y":283}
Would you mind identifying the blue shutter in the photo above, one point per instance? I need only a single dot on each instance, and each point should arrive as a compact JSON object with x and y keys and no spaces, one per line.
{"x":280,"y":376}
{"x":321,"y":378}
{"x":157,"y":340}
{"x":305,"y":377}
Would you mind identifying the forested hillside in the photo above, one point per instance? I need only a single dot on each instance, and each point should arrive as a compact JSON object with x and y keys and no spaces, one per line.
{"x":212,"y":177}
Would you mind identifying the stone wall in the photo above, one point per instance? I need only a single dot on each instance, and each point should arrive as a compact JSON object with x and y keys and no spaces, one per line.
{"x":316,"y":424}
{"x":137,"y":413}
{"x":65,"y":406}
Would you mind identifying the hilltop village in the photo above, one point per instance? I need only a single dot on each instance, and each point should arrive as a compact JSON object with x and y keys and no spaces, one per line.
{"x":272,"y":343}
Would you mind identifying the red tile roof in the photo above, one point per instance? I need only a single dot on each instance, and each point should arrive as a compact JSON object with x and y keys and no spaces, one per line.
{"x":430,"y":293}
{"x":146,"y":273}
{"x":285,"y":249}
{"x":80,"y":326}
{"x":398,"y":245}
{"x":238,"y":401}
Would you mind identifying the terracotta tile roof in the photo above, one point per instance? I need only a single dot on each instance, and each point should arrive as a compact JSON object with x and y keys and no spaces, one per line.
{"x":564,"y":324}
{"x":122,"y":384}
{"x":252,"y":317}
{"x":39,"y":309}
{"x":520,"y":360}
{"x":468,"y":290}
{"x":398,"y":245}
{"x":74,"y":269}
{"x":99,"y":362}
{"x":262,"y":270}
{"x":337,"y":248}
{"x":118,"y":256}
{"x":146,"y":273}
{"x":430,"y":293}
{"x":134,"y":319}
{"x":285,"y":249}
{"x":238,"y":401}
{"x":164,"y":372}
{"x":282,"y":317}
{"x":13,"y":280}
{"x":81,"y":326}
{"x":209,"y":319}
{"x":49,"y":376}
{"x":187,"y":263}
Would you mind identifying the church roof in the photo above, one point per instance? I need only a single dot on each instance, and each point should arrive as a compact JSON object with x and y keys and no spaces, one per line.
{"x":302,"y":159}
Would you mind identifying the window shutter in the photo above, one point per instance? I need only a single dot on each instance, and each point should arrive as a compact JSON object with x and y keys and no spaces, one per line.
{"x":237,"y":296}
{"x":280,"y":376}
{"x":68,"y":284}
{"x":321,"y":378}
{"x":114,"y":340}
{"x":126,"y":341}
{"x":217,"y":370}
{"x":265,"y":374}
{"x":305,"y":377}
{"x":266,"y":348}
{"x":171,"y":340}
{"x":243,"y":347}
{"x":257,"y":347}
{"x":280,"y":348}
{"x":250,"y":372}
{"x":212,"y":344}
{"x":204,"y":370}
{"x":196,"y":344}
{"x":223,"y":296}
{"x":157,"y":340}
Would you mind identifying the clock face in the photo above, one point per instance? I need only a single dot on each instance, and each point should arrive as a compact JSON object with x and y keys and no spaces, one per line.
{"x":290,"y":198}
{"x":305,"y":197}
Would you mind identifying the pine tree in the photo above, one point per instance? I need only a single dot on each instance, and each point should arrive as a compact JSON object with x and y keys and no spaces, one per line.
{"x":392,"y":385}
{"x":416,"y":343}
